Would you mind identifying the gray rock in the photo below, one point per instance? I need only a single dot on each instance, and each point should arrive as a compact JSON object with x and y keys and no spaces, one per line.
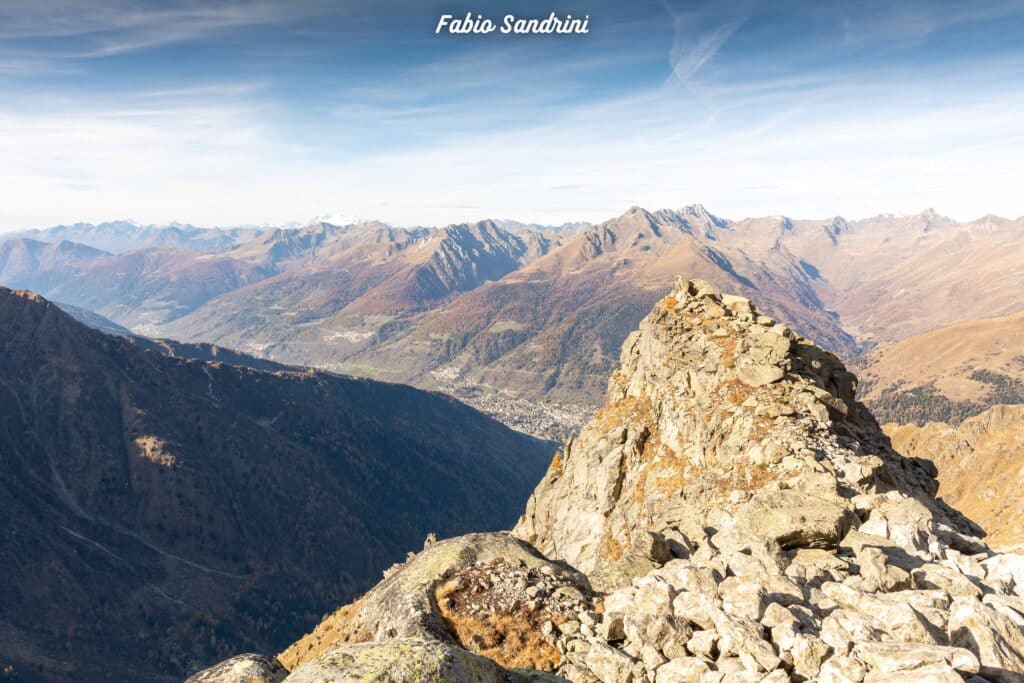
{"x":929,"y":673}
{"x":399,"y":661}
{"x":401,"y":606}
{"x":888,"y":657}
{"x":945,"y":578}
{"x":609,"y":664}
{"x":842,"y":669}
{"x":246,"y":668}
{"x":794,"y":519}
{"x":683,"y":670}
{"x":992,"y":637}
{"x":759,"y":375}
{"x":878,"y":575}
{"x":809,"y":653}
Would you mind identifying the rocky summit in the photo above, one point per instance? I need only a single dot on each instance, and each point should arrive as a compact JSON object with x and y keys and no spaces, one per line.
{"x":732,"y":513}
{"x":721,"y":419}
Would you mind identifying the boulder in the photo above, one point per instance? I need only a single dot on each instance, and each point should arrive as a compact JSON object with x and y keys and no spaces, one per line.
{"x":744,"y":638}
{"x":246,"y":668}
{"x":895,"y":615}
{"x":929,"y":673}
{"x":878,"y":575}
{"x":609,"y":664}
{"x":402,"y":605}
{"x":794,"y":519}
{"x":887,"y":657}
{"x":683,"y":670}
{"x":842,"y":669}
{"x":948,"y":579}
{"x":402,"y":660}
{"x":759,"y":375}
{"x":809,"y":653}
{"x":997,"y":642}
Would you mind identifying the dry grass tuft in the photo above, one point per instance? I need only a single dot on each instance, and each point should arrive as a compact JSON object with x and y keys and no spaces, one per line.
{"x":336,"y":629}
{"x":510,"y":637}
{"x":612,"y":549}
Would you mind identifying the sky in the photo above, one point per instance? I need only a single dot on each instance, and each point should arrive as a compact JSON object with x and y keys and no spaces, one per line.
{"x":266,"y":111}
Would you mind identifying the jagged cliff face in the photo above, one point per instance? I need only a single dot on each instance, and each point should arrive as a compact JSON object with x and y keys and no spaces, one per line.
{"x":716,"y":409}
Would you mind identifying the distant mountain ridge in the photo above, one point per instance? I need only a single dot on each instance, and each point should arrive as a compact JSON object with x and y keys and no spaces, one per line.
{"x":553,"y":327}
{"x":125,"y":235}
{"x":479,"y":308}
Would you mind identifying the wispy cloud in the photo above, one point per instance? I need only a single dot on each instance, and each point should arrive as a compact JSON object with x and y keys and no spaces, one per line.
{"x":883,"y":22}
{"x":698,"y":35}
{"x":101,"y":29}
{"x":688,"y":58}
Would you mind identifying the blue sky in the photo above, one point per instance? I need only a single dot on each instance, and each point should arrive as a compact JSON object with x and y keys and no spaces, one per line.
{"x":268,"y":111}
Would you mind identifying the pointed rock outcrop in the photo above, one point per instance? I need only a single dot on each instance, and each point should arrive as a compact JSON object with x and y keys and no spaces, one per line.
{"x":722,"y":420}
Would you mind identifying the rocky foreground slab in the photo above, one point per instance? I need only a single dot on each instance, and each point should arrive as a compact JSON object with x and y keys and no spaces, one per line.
{"x":731,"y":514}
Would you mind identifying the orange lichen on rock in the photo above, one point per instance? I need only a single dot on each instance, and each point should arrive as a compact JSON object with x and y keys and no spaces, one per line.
{"x":557,"y":465}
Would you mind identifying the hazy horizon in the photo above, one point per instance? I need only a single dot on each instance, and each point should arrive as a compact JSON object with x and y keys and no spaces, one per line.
{"x":335,"y":219}
{"x":257,"y":112}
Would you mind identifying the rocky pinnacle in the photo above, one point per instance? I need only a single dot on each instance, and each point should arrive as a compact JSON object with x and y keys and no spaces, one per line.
{"x":721,"y":419}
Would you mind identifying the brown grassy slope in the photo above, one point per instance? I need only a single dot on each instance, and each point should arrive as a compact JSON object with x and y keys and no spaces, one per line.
{"x":946,"y":374}
{"x":138,"y":289}
{"x":981,"y":467}
{"x":339,"y":285}
{"x":892,"y":277}
{"x":975,"y":271}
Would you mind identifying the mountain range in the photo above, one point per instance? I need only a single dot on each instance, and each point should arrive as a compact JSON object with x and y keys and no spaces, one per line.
{"x":163,"y":504}
{"x":121,"y":236}
{"x":188,"y":501}
{"x":524,"y":320}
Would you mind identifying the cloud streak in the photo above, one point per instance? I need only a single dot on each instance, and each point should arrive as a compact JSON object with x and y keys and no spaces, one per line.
{"x":55,"y":30}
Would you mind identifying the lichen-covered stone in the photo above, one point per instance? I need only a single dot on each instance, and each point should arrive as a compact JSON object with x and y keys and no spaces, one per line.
{"x":402,"y":606}
{"x":398,"y":661}
{"x":246,"y":668}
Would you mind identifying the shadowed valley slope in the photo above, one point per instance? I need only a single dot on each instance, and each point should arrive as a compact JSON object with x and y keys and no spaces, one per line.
{"x":159,"y":513}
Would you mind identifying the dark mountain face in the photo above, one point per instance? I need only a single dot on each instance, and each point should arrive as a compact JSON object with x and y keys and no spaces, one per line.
{"x":157,"y":513}
{"x":141,"y":288}
{"x":42,"y":265}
